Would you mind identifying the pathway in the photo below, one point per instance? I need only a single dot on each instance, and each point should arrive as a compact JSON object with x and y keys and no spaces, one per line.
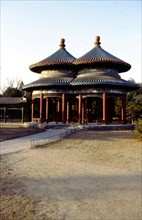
{"x":21,"y":143}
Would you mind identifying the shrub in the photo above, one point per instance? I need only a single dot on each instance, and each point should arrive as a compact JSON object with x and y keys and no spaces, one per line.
{"x":138,"y":129}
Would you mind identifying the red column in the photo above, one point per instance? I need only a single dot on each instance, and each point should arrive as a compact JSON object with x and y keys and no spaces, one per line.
{"x":63,"y":108}
{"x":58,"y":105}
{"x":83,"y":111}
{"x":104,"y":108}
{"x":86,"y":112}
{"x":46,"y":109}
{"x":41,"y":106}
{"x":123,"y":110}
{"x":60,"y":109}
{"x":79,"y":108}
{"x":32,"y":108}
{"x":68,"y":107}
{"x":54,"y":109}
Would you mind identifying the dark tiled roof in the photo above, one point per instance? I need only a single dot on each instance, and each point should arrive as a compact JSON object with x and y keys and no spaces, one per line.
{"x":99,"y":57}
{"x":81,"y":81}
{"x":12,"y":100}
{"x":45,"y":82}
{"x":101,"y":80}
{"x":97,"y":67}
{"x":58,"y":59}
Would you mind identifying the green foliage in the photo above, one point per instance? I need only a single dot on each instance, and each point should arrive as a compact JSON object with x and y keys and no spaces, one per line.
{"x":134,"y":104}
{"x":13,"y":91}
{"x":138,"y":129}
{"x":118,"y":107}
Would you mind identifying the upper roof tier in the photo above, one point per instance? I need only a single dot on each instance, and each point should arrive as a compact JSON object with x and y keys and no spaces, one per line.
{"x":61,"y":59}
{"x":97,"y":57}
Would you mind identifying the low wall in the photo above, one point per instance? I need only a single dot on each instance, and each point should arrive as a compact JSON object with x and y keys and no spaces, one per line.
{"x":53,"y":138}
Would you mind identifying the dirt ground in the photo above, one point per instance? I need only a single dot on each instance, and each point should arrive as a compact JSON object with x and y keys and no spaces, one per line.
{"x":86,"y":176}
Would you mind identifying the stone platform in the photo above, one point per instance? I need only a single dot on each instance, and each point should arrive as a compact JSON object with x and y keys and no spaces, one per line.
{"x":91,"y":126}
{"x":59,"y":125}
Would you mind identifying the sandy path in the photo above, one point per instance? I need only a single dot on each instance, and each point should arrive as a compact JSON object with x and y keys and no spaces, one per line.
{"x":87,"y":176}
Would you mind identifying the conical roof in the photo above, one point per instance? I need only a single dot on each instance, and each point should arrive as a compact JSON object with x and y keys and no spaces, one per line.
{"x":98,"y":57}
{"x":59,"y":60}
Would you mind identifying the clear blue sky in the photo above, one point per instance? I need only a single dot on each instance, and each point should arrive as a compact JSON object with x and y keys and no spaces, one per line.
{"x":31,"y":31}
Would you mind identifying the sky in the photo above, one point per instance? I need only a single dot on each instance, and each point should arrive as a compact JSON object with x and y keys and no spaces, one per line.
{"x":31,"y":31}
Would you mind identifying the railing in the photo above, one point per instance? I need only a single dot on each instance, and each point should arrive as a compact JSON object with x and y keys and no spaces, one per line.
{"x":53,"y":138}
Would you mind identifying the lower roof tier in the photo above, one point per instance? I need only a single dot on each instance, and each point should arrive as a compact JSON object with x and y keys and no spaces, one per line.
{"x":65,"y":83}
{"x":45,"y":82}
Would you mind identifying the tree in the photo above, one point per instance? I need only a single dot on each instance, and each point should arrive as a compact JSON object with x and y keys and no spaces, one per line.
{"x":13,"y":91}
{"x":134,"y":104}
{"x":138,"y":130}
{"x":14,"y":88}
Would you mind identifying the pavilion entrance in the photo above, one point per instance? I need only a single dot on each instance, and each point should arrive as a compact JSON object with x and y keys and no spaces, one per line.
{"x":81,"y":109}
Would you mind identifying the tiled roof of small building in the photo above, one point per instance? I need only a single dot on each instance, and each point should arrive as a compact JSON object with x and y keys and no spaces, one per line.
{"x":98,"y":57}
{"x":60,"y":59}
{"x":12,"y":100}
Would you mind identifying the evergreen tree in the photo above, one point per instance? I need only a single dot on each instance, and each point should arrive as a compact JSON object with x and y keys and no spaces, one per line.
{"x":134,"y":104}
{"x":13,"y":91}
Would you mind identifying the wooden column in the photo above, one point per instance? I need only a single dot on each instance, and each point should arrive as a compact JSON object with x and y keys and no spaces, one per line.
{"x":58,"y":105}
{"x":123,"y":110}
{"x":63,"y":108}
{"x":41,"y":106}
{"x":22,"y":120}
{"x":32,"y":108}
{"x":83,"y":111}
{"x":4,"y":114}
{"x":60,"y":110}
{"x":47,"y":110}
{"x":79,"y":108}
{"x":54,"y":109}
{"x":68,"y":111}
{"x":86,"y":111}
{"x":104,"y":108}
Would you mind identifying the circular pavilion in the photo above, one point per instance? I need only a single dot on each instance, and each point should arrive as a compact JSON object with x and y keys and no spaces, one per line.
{"x":80,"y":90}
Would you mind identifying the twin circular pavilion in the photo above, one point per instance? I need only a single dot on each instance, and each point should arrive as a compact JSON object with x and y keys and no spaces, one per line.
{"x":82,"y":90}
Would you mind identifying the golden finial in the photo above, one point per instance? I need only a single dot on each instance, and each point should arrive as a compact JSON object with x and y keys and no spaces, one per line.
{"x":97,"y":42}
{"x":62,"y":43}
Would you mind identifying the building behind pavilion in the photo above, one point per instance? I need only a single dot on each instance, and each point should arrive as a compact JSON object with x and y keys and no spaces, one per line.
{"x":12,"y":109}
{"x":82,"y":90}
